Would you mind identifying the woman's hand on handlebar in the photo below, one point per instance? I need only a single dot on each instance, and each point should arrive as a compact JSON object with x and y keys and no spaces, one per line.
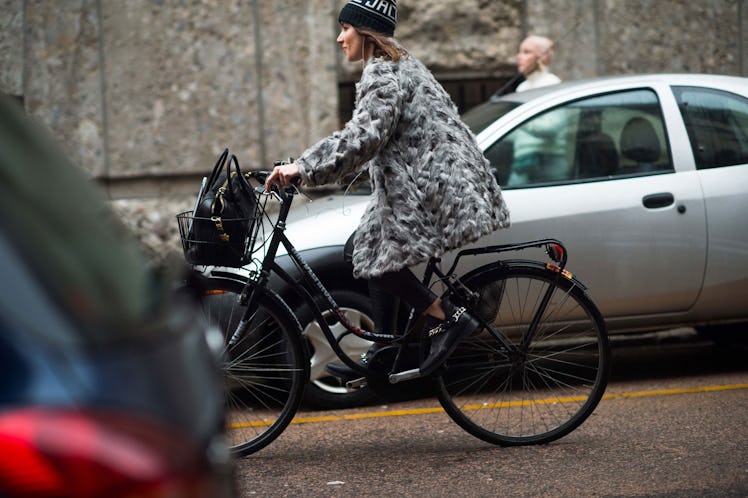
{"x":283,"y":176}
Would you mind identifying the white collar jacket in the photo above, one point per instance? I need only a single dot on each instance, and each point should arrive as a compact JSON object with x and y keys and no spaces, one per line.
{"x":538,"y":78}
{"x":433,"y":190}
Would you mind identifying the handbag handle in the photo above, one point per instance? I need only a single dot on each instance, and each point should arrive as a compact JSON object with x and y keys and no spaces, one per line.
{"x":217,"y":168}
{"x":242,"y":180}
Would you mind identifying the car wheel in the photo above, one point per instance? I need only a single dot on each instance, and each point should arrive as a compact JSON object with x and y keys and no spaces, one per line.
{"x":325,"y":391}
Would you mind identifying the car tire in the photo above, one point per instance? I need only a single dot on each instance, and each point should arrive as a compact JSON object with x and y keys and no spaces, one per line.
{"x":325,"y":391}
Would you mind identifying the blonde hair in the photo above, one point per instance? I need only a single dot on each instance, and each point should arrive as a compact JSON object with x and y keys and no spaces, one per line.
{"x":543,"y":48}
{"x":385,"y":46}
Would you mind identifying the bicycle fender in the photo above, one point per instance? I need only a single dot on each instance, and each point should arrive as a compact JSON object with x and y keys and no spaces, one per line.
{"x":513,"y":263}
{"x":271,"y":294}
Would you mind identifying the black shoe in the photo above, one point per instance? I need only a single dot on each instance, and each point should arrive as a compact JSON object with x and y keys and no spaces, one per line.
{"x":445,"y":336}
{"x":367,"y":361}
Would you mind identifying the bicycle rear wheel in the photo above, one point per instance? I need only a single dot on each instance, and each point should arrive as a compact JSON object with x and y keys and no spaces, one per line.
{"x":265,"y":372}
{"x":542,"y":386}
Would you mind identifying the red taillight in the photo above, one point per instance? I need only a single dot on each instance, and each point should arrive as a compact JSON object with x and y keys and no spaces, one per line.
{"x":45,"y":453}
{"x":555,"y":252}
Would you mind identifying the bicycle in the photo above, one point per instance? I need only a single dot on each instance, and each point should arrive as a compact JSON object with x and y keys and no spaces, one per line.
{"x":533,"y":373}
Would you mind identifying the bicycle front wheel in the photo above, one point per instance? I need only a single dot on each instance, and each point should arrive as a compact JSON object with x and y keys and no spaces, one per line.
{"x":265,"y":371}
{"x":542,"y":370}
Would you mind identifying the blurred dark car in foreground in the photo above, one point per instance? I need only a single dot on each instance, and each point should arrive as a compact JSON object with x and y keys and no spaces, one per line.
{"x":644,"y":178}
{"x":108,"y":385}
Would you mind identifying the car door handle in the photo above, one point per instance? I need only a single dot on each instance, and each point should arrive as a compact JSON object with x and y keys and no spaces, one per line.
{"x":654,"y":201}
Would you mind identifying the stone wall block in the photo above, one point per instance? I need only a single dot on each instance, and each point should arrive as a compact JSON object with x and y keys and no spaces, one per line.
{"x":571,"y":26}
{"x":465,"y":36}
{"x":63,"y":88}
{"x":461,"y":36}
{"x":11,"y":47}
{"x":669,"y":36}
{"x":299,"y":75}
{"x":181,"y":84}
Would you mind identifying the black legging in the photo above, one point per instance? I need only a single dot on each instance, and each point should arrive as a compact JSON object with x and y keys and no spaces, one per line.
{"x":385,"y":290}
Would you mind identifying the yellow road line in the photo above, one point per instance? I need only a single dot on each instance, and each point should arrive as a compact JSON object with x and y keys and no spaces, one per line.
{"x":359,"y":416}
{"x":426,"y":411}
{"x":681,"y":390}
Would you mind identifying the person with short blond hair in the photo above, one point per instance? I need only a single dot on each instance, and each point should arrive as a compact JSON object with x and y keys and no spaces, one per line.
{"x":533,"y":61}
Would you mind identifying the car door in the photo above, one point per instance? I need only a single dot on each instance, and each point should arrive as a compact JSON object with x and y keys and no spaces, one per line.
{"x":717,"y":126}
{"x":597,"y":172}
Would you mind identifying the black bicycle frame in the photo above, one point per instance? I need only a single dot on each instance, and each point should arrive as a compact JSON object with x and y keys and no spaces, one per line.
{"x":306,"y":288}
{"x":309,"y":285}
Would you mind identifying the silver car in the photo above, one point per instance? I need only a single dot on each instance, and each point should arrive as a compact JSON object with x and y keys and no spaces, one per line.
{"x":644,"y":178}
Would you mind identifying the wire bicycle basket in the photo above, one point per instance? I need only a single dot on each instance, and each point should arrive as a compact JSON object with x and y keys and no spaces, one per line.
{"x":217,"y":241}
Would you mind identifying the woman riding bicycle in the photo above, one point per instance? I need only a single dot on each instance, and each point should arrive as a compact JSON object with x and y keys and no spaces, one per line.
{"x":433,"y":189}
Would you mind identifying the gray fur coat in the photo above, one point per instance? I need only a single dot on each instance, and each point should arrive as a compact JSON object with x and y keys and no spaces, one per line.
{"x":432,"y":187}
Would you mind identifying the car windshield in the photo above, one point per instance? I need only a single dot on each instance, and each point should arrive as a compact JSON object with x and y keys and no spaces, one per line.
{"x":478,"y":118}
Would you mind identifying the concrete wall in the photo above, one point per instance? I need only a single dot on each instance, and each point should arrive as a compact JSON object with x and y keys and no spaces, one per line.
{"x":146,"y":88}
{"x":146,"y":93}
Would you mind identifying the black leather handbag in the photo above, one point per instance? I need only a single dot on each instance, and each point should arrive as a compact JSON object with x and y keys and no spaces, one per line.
{"x":218,"y":231}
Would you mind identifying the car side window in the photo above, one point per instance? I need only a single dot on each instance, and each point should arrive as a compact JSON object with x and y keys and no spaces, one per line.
{"x":717,"y":125}
{"x":601,"y":137}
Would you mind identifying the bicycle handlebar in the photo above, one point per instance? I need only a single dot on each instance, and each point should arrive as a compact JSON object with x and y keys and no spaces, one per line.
{"x":284,"y":194}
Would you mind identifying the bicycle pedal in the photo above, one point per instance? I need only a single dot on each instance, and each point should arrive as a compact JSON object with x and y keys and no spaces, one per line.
{"x":359,"y":383}
{"x":405,"y":375}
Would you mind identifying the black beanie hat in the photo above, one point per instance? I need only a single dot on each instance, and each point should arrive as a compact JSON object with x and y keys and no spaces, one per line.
{"x":377,"y":15}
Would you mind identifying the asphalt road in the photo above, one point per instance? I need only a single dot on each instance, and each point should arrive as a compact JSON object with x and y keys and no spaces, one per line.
{"x":674,"y":423}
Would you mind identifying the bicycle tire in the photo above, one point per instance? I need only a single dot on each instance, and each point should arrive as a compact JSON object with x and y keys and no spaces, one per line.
{"x":265,"y":372}
{"x":545,"y":389}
